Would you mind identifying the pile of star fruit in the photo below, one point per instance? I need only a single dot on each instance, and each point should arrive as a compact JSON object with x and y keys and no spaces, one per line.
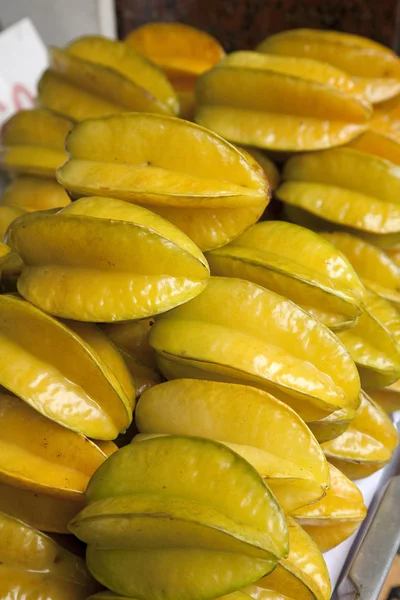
{"x":188,"y":386}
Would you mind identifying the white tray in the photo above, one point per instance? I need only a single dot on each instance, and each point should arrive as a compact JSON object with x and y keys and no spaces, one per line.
{"x":358,"y":567}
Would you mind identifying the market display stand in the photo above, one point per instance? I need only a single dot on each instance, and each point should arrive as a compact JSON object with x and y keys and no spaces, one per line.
{"x":358,"y":567}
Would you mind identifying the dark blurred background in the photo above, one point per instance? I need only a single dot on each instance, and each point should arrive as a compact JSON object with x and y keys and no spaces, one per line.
{"x":240,"y":24}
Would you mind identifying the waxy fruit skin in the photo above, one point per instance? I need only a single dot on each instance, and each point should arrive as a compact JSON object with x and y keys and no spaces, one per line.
{"x":179,"y":49}
{"x":375,"y":268}
{"x":380,"y":143}
{"x":234,"y":596}
{"x":308,"y":271}
{"x":136,"y":264}
{"x":70,"y":373}
{"x":94,"y":76}
{"x":333,"y":425}
{"x":132,"y":337}
{"x":374,"y":68}
{"x":10,"y":268}
{"x":374,"y":342}
{"x":266,"y":432}
{"x":212,"y":192}
{"x":131,"y":340}
{"x":34,"y":566}
{"x":5,"y":252}
{"x":344,"y":189}
{"x":279,"y":103}
{"x":238,"y":332}
{"x":33,"y":142}
{"x":385,"y":132}
{"x":302,"y":575}
{"x":387,"y":398}
{"x":259,"y":593}
{"x":170,"y":508}
{"x":335,"y":517}
{"x":8,"y":214}
{"x":29,"y":194}
{"x":394,"y":255}
{"x":269,"y":167}
{"x":368,"y":443}
{"x":44,"y":467}
{"x":182,"y":52}
{"x":107,"y":596}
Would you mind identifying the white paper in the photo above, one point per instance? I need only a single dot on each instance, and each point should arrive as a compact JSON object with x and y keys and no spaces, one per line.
{"x":60,"y":21}
{"x":5,"y":100}
{"x":23,"y":58}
